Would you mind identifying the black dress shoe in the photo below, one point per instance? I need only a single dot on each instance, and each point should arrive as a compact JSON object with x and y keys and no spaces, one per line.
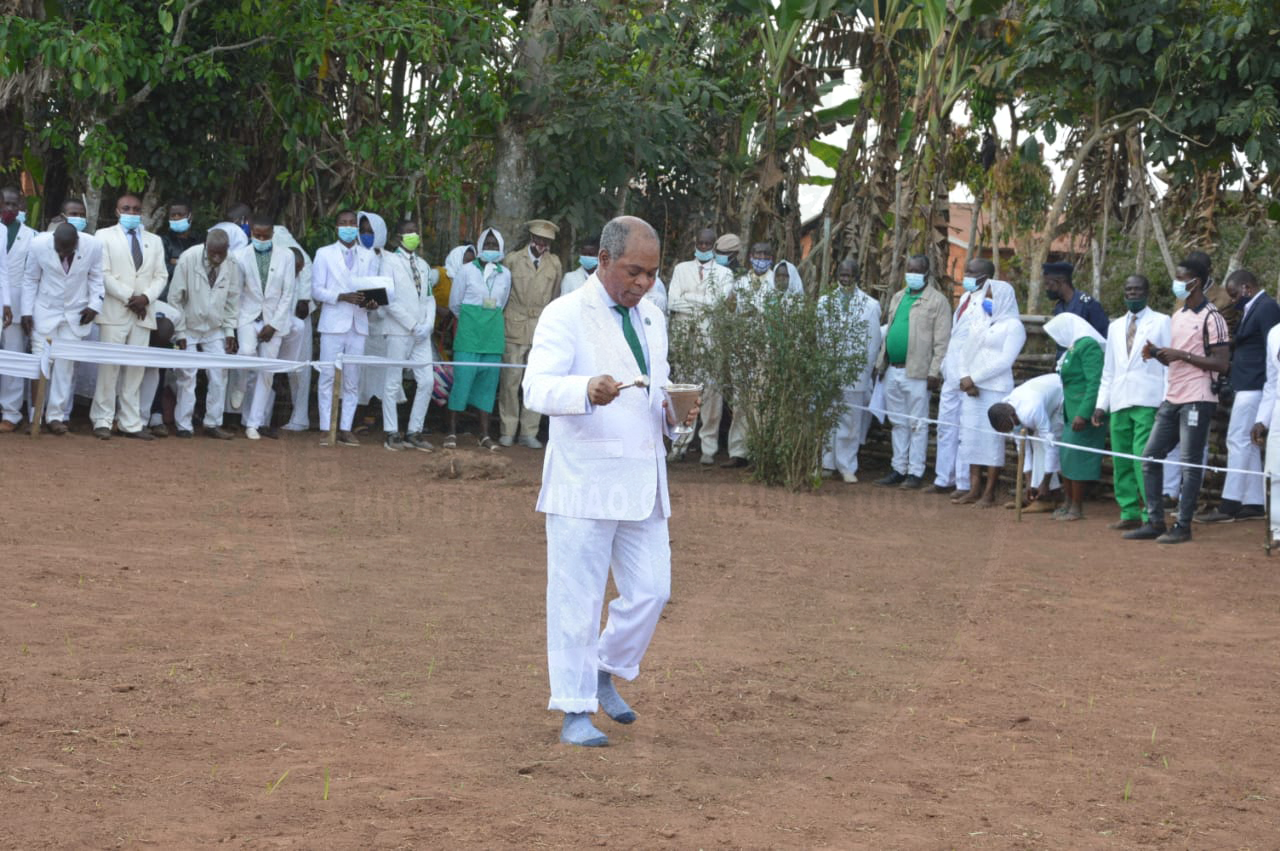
{"x":182,"y":432}
{"x":734,"y":463}
{"x":1125,"y":525}
{"x":1251,"y":512}
{"x":139,"y":435}
{"x":892,"y":480}
{"x":1177,"y":535}
{"x":911,"y":483}
{"x":102,"y":433}
{"x":1145,"y":532}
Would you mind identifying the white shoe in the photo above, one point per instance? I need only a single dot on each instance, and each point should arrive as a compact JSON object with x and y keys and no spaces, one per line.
{"x":506,"y":441}
{"x":252,"y":434}
{"x":530,"y":442}
{"x":851,"y":478}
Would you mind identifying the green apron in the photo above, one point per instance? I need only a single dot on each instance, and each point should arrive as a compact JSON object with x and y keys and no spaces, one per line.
{"x":480,"y":330}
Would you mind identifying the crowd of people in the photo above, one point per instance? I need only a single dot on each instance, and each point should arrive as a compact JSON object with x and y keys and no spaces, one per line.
{"x":1145,"y":383}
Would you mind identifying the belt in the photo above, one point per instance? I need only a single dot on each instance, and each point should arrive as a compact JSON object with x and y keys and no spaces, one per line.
{"x":898,"y":365}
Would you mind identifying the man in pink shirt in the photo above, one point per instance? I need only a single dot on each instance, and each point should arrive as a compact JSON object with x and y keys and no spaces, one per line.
{"x":1199,"y":349}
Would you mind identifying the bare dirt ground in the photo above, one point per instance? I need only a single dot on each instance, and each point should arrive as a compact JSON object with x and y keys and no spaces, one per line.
{"x":279,"y":645}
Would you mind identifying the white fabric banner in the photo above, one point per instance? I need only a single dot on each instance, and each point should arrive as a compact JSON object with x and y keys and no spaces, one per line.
{"x":123,"y":355}
{"x":19,"y":364}
{"x":369,"y":360}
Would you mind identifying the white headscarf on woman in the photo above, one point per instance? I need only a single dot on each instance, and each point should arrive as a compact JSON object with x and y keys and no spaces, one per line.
{"x":988,"y":332}
{"x":1066,"y":329}
{"x":453,"y":263}
{"x":490,"y":269}
{"x":379,"y":228}
{"x":795,"y":286}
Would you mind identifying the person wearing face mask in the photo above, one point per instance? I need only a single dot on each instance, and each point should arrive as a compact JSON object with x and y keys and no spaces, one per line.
{"x":1131,"y":390}
{"x":1067,"y":299}
{"x":409,"y":323}
{"x":206,"y":288}
{"x":1199,"y":348}
{"x":855,"y":307}
{"x":72,"y":212}
{"x":535,"y":281}
{"x":752,"y":288}
{"x":759,"y":274}
{"x":344,"y":318}
{"x":726,"y":252}
{"x":134,"y":275}
{"x":62,"y":292}
{"x":1081,"y":371}
{"x":697,"y":285}
{"x":236,"y":225}
{"x":265,"y":316}
{"x":478,"y":297}
{"x":948,"y":474}
{"x":995,"y":339}
{"x":1242,"y":494}
{"x":179,"y":235}
{"x":15,"y":242}
{"x":587,"y":251}
{"x":373,"y":379}
{"x":910,"y":364}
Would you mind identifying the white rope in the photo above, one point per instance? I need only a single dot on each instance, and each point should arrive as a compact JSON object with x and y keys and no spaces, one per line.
{"x":1049,"y":442}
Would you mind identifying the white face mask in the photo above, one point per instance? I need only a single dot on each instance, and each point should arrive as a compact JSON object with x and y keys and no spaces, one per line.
{"x":1179,"y":289}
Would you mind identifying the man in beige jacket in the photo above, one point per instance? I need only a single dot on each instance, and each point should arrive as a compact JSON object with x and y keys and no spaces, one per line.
{"x":910,"y":365}
{"x":535,"y":281}
{"x":134,"y":275}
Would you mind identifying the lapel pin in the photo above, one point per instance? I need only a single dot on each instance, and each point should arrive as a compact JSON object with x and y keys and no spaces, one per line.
{"x":647,"y":321}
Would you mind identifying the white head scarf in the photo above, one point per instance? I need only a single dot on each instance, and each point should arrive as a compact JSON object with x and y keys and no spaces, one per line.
{"x":484,"y":234}
{"x":1002,"y":322}
{"x":453,"y":263}
{"x":379,"y":228}
{"x":795,"y":286}
{"x":1067,"y":329}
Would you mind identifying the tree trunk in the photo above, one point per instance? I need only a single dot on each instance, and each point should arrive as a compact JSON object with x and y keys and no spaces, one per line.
{"x":1139,"y":168}
{"x":1237,"y":256}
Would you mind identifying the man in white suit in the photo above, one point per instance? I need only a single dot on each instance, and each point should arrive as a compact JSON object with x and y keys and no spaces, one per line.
{"x":61,"y":294}
{"x":604,"y":479}
{"x":854,"y":308}
{"x":408,"y":321}
{"x":1132,"y":389}
{"x":134,"y":275}
{"x":344,"y":318}
{"x":15,"y":239}
{"x":266,"y":310}
{"x":206,"y":288}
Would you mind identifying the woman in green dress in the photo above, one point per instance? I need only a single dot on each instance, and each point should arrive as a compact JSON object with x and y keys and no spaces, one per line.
{"x":1081,"y":370}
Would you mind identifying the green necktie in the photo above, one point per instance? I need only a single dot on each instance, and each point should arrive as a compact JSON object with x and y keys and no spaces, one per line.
{"x":632,"y":340}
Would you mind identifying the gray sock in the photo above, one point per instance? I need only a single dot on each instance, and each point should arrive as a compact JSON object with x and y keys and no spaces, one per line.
{"x":578,"y":730}
{"x":610,"y":701}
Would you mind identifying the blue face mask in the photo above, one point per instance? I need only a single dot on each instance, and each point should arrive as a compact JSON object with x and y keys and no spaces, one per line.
{"x":703,"y":256}
{"x":1179,"y":289}
{"x":348,"y":234}
{"x":77,"y":222}
{"x":761,"y":265}
{"x":130,"y":221}
{"x":587,"y":262}
{"x":722,"y":259}
{"x":490,"y":256}
{"x":22,"y":217}
{"x":262,"y":246}
{"x":970,"y":284}
{"x":915,"y":281}
{"x":366,"y":239}
{"x":179,"y":225}
{"x":987,"y":306}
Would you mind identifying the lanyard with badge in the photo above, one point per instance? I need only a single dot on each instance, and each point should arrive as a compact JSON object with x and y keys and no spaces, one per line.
{"x":489,"y":302}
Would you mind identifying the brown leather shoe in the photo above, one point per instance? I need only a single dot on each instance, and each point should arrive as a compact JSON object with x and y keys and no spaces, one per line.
{"x":218,"y":433}
{"x":143,"y":434}
{"x":161,"y":430}
{"x":56,"y":427}
{"x":7,"y":427}
{"x":102,"y":433}
{"x":1125,"y":525}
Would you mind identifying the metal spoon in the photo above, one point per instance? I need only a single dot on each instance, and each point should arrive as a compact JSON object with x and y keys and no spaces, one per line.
{"x":639,"y":381}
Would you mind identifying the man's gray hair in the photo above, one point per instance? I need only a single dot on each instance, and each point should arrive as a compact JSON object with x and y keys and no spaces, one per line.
{"x":217,"y":238}
{"x":614,"y":237}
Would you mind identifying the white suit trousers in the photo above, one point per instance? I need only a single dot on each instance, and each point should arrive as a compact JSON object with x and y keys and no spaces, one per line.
{"x":332,"y":345}
{"x":738,"y":433}
{"x":297,"y":345}
{"x":844,"y":442}
{"x":12,"y":388}
{"x":110,"y":381}
{"x":905,"y":398}
{"x":405,"y":347}
{"x":215,"y":342}
{"x":62,"y":372}
{"x":1242,"y":453}
{"x":579,"y":555}
{"x":247,"y":336}
{"x":1273,"y":469}
{"x":947,"y":471}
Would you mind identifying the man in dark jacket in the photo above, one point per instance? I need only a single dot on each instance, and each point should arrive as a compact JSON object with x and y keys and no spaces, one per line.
{"x":1242,"y":494}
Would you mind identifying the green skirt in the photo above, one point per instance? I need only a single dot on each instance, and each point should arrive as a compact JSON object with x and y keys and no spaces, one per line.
{"x":1077,"y":465}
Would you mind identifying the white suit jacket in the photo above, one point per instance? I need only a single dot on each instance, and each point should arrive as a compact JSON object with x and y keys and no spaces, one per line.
{"x":1266,"y":407}
{"x":122,"y":281}
{"x":690,"y":292}
{"x":602,"y":462}
{"x":330,"y":278}
{"x":864,"y":307}
{"x":51,"y":295}
{"x":1127,"y":380}
{"x":207,"y":308}
{"x":271,"y":300}
{"x":409,"y":306}
{"x":13,"y":262}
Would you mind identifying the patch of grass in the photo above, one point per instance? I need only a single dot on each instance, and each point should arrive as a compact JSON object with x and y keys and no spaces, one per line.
{"x":271,"y":787}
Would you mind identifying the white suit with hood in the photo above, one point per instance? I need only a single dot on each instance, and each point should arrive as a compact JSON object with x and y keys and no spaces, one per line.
{"x":992,"y":346}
